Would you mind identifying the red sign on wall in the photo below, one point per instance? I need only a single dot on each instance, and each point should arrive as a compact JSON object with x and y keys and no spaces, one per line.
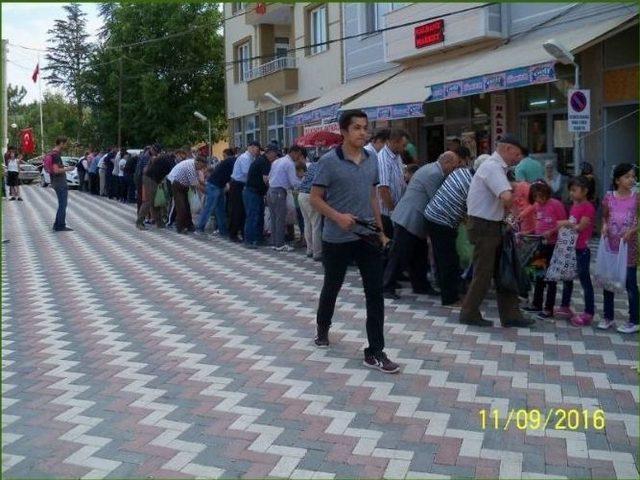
{"x":429,"y":34}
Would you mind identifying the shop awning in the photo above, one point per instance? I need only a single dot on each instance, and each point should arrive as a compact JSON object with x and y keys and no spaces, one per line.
{"x":521,"y":62}
{"x":326,"y":107}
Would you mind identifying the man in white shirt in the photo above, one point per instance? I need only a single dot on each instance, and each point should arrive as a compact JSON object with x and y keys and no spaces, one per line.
{"x":391,"y":170}
{"x":377,"y":141}
{"x":238,"y":181}
{"x":282,"y":177}
{"x":489,"y":197}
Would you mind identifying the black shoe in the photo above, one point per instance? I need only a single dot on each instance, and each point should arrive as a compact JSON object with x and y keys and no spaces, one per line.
{"x":426,"y":291}
{"x":402,"y":277}
{"x":521,"y":322}
{"x":381,"y":362}
{"x":322,"y":337}
{"x":20,"y":199}
{"x":65,"y":229}
{"x":391,"y":295}
{"x":478,"y":322}
{"x":12,"y":198}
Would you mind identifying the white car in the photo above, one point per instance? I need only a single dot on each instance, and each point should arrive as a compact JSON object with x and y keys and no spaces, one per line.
{"x":72,"y":176}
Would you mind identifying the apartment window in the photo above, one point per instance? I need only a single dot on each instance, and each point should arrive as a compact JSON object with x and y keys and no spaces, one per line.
{"x":275,"y":126}
{"x":374,"y":16}
{"x":237,"y":7}
{"x":318,"y":29}
{"x":237,"y":132}
{"x":281,"y":47}
{"x":251,"y":128}
{"x":243,"y":61}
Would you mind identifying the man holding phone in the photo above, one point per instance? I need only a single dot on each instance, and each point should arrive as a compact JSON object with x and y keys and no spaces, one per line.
{"x":344,"y":193}
{"x":59,"y":184}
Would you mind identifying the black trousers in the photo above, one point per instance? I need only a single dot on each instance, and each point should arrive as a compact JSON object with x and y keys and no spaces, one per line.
{"x":336,"y":257}
{"x":236,"y":207}
{"x":443,"y":241}
{"x":94,"y":183}
{"x":387,"y":226}
{"x":408,"y":252}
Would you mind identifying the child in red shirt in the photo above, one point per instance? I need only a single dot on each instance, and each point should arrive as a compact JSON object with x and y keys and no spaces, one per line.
{"x":582,"y":219}
{"x":548,"y":212}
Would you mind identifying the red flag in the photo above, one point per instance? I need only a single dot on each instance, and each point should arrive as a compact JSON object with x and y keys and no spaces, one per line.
{"x":27,"y":140}
{"x":36,"y":72}
{"x":261,"y":8}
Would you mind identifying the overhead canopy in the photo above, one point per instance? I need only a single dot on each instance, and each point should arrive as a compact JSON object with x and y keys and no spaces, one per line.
{"x":327,"y":106}
{"x":521,"y":62}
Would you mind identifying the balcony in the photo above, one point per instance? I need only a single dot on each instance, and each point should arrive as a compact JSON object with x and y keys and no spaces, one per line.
{"x":280,"y":76}
{"x":275,"y":14}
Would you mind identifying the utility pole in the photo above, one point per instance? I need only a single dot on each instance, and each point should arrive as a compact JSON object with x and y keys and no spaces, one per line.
{"x":5,"y":106}
{"x":120,"y":104}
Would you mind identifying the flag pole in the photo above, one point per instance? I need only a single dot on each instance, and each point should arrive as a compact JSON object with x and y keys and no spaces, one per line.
{"x":41,"y":121}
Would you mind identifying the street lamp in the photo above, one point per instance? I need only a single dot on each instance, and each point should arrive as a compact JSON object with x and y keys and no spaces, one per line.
{"x":561,"y":53}
{"x":200,"y":116}
{"x":271,"y":97}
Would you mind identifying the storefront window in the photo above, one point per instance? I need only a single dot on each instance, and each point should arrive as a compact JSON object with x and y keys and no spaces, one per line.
{"x":534,"y":98}
{"x":480,"y":108}
{"x":434,"y":112}
{"x":533,"y":132}
{"x":458,"y":108}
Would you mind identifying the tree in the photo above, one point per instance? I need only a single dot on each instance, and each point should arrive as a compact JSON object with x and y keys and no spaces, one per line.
{"x":172,"y":58}
{"x":15,"y":96}
{"x":69,"y":50}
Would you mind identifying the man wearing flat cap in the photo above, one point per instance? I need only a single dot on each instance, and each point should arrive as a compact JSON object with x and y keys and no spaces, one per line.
{"x":487,"y":202}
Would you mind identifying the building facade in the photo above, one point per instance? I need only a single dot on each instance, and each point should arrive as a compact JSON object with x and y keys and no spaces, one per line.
{"x":472,"y":71}
{"x":279,"y":56}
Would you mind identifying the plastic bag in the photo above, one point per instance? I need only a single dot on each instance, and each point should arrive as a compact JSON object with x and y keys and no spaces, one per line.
{"x":511,"y":276}
{"x":611,"y":267}
{"x":563,"y":265}
{"x":195,"y":204}
{"x":464,"y":247}
{"x":161,"y":198}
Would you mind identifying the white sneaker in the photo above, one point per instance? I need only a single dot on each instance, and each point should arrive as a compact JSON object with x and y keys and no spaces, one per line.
{"x":629,"y":328}
{"x":284,"y":248}
{"x":605,"y":324}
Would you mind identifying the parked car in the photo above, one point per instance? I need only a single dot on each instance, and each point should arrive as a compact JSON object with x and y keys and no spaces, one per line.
{"x":28,"y":173}
{"x":72,"y":176}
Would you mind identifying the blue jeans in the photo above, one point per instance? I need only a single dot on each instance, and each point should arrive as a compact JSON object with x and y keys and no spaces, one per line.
{"x":215,"y":204}
{"x":254,"y":208}
{"x":62,"y":192}
{"x":583,"y":258}
{"x":632,"y":292}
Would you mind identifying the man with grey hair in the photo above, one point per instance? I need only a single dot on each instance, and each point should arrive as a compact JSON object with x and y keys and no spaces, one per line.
{"x":410,"y":249}
{"x":487,"y":202}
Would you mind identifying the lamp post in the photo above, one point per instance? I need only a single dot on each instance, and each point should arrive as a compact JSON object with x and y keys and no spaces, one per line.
{"x":200,"y":116}
{"x":564,"y":56}
{"x":270,"y":96}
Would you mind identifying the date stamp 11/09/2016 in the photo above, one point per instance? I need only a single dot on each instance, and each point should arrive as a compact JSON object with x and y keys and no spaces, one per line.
{"x":571,"y":419}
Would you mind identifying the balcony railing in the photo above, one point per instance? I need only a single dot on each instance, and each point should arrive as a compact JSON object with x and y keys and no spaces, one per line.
{"x":280,"y":63}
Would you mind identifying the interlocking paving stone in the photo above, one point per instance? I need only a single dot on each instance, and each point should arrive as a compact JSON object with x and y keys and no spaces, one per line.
{"x":148,"y":354}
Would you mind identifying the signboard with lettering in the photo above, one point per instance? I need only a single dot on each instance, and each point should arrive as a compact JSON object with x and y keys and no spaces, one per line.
{"x":579,"y":105}
{"x":498,"y":117}
{"x":429,"y":34}
{"x":332,"y":127}
{"x":517,"y":77}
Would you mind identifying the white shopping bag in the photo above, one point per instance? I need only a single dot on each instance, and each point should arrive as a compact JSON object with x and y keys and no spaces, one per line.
{"x":195,"y":204}
{"x":611,"y":267}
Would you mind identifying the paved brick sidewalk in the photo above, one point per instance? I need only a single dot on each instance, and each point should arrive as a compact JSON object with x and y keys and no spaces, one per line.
{"x":148,"y":354}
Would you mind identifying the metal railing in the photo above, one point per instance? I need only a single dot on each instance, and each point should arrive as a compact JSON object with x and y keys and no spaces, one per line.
{"x":280,"y":63}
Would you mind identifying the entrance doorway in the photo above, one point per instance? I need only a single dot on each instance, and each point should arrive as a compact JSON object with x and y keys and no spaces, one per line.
{"x":435,"y":141}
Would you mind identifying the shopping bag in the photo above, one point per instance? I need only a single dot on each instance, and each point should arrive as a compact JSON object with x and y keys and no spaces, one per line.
{"x":292,"y":217}
{"x":611,"y":267}
{"x":563,"y":265}
{"x":195,"y":204}
{"x":160,"y":199}
{"x":464,"y":247}
{"x":511,"y":276}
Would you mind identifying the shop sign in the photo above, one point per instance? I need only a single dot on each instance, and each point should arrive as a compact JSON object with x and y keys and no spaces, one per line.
{"x":498,"y":117}
{"x":395,"y":112}
{"x":429,"y":34}
{"x":579,"y":106}
{"x":517,"y":77}
{"x":326,"y":114}
{"x":332,"y":127}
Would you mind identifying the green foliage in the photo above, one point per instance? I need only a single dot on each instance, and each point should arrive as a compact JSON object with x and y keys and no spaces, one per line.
{"x":163,"y":81}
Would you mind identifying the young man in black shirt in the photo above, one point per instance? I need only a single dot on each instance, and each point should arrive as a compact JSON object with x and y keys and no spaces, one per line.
{"x":253,"y":196}
{"x":216,"y":202}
